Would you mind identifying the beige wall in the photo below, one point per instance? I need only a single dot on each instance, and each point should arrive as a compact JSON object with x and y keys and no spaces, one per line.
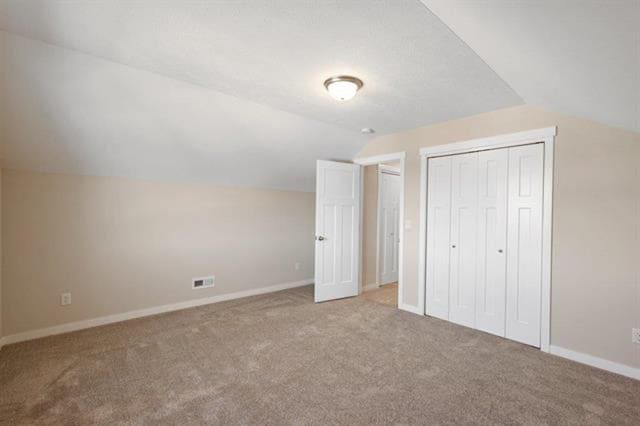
{"x":370,"y":224}
{"x":119,"y":244}
{"x":1,"y":333}
{"x":596,"y":223}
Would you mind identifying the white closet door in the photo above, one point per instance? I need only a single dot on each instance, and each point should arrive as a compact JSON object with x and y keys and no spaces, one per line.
{"x":524,"y":244}
{"x":492,"y":241}
{"x":438,"y":236}
{"x":390,"y":208}
{"x":464,"y":205}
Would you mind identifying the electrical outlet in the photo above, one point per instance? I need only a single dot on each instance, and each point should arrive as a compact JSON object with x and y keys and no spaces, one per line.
{"x":635,"y":335}
{"x":297,"y":266}
{"x":65,"y":299}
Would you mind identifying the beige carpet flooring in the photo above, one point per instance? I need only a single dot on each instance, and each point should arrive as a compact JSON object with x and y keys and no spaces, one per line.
{"x":386,"y":294}
{"x":279,"y":359}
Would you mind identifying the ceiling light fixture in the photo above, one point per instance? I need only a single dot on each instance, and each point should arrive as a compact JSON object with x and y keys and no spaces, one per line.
{"x":343,"y":87}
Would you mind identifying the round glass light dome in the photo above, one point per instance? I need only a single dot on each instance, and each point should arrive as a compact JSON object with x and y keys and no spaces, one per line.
{"x":343,"y":87}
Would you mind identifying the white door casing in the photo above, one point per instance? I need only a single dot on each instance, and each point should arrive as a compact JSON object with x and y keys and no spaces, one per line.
{"x":404,"y":225}
{"x":337,"y":243}
{"x":389,"y":232}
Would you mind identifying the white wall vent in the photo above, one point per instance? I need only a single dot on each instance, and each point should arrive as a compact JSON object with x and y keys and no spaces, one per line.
{"x":204,"y":282}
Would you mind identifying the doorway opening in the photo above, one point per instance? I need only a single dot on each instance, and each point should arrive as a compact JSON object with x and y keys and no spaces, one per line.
{"x":382,"y":228}
{"x":381,"y":232}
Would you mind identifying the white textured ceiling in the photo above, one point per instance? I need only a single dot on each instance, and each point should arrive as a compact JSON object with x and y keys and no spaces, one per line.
{"x":74,"y":113}
{"x":224,"y":91}
{"x":578,"y":57}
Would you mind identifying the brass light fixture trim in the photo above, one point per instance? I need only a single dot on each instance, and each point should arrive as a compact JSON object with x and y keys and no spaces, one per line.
{"x":354,"y":80}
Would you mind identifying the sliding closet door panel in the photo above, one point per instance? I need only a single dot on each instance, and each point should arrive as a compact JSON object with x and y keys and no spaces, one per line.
{"x":492,"y":241}
{"x":464,"y":205}
{"x":438,"y":237}
{"x":524,"y":244}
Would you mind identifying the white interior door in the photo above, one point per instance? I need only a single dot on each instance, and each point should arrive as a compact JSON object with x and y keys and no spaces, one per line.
{"x":337,"y":230}
{"x":464,"y":205}
{"x":492,"y":241}
{"x":438,"y":236}
{"x":524,"y":243}
{"x":390,"y":226}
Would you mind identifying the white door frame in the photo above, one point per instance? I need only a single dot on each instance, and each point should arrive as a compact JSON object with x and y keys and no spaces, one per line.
{"x":370,"y":161}
{"x":394,"y":171}
{"x":544,"y":135}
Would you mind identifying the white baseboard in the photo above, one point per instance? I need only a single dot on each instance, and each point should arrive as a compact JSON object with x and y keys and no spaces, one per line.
{"x":410,"y":308}
{"x":594,"y":361}
{"x":371,"y":286}
{"x":94,"y":322}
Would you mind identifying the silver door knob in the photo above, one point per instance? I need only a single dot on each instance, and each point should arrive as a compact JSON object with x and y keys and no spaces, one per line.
{"x":500,"y":251}
{"x":320,"y":238}
{"x":453,"y":246}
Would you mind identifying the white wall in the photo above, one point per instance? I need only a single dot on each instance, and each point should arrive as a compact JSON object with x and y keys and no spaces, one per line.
{"x":122,"y":244}
{"x":596,"y":223}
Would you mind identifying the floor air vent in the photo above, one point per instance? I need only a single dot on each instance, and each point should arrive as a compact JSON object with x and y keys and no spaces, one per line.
{"x":204,"y":282}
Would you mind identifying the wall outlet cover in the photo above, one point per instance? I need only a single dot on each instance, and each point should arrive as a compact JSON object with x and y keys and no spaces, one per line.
{"x":65,"y":299}
{"x":635,"y":335}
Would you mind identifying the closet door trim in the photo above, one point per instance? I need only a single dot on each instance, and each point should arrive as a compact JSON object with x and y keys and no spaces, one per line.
{"x":543,"y":135}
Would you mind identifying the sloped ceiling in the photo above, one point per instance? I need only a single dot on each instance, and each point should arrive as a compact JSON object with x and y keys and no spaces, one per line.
{"x":231,"y":92}
{"x":578,"y":57}
{"x":226,"y":92}
{"x":74,"y":113}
